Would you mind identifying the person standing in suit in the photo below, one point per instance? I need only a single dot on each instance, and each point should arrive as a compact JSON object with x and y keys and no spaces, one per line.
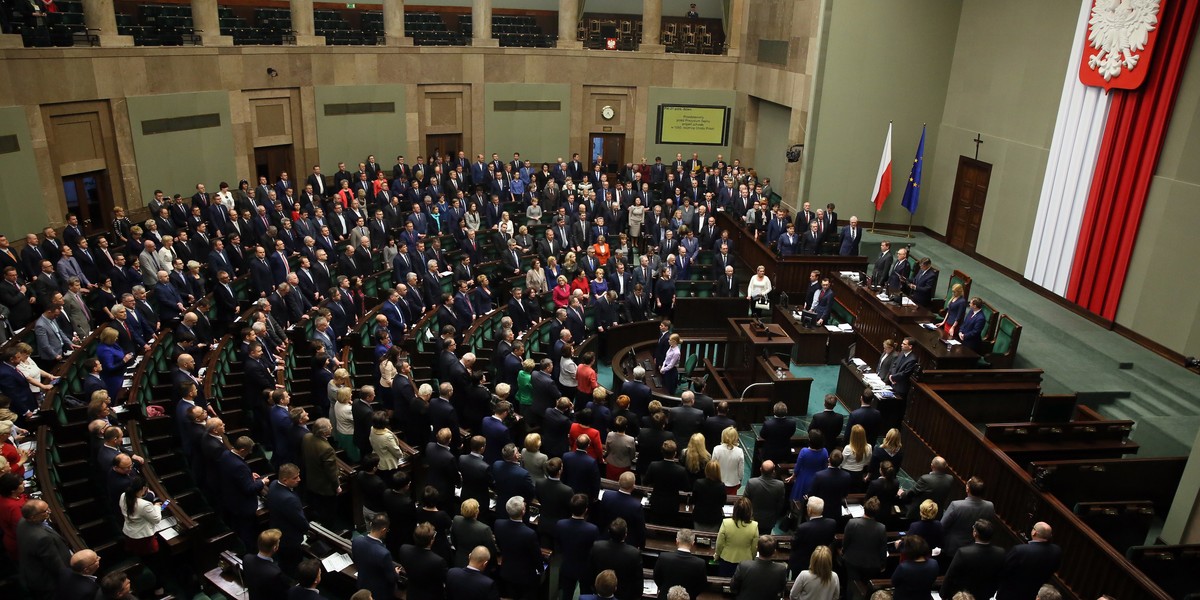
{"x":867,"y":416}
{"x":79,"y":583}
{"x":320,"y":470}
{"x":287,"y":514}
{"x":308,"y":577}
{"x":851,"y":238}
{"x":240,"y":489}
{"x":901,"y":373}
{"x":667,"y":480}
{"x":776,"y":433}
{"x":959,"y":518}
{"x":470,"y":583}
{"x":521,"y":568}
{"x":760,"y":577}
{"x":975,"y":567}
{"x":426,"y":570}
{"x":887,"y":359}
{"x":971,"y":331}
{"x":681,"y":567}
{"x":376,"y":571}
{"x":934,"y":485}
{"x":864,"y":548}
{"x":882,"y":264}
{"x":767,"y":495}
{"x":624,"y":505}
{"x":260,"y":574}
{"x":923,"y":284}
{"x":1028,"y":566}
{"x":832,"y":485}
{"x":685,"y":419}
{"x":899,"y":276}
{"x":813,"y":533}
{"x":573,"y":539}
{"x":828,"y":422}
{"x":43,"y":553}
{"x":615,"y":556}
{"x":511,"y":479}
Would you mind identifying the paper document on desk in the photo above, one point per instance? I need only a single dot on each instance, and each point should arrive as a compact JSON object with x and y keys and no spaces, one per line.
{"x":728,"y":510}
{"x":649,"y":588}
{"x":846,"y":327}
{"x":905,"y":301}
{"x":854,"y":510}
{"x":169,"y":534}
{"x":858,"y":362}
{"x":166,"y":523}
{"x":833,"y":328}
{"x":929,"y":326}
{"x":336,"y":562}
{"x":29,"y":447}
{"x":953,"y":343}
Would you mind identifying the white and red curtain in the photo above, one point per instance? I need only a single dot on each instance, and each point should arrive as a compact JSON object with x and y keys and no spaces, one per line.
{"x":1103,"y":155}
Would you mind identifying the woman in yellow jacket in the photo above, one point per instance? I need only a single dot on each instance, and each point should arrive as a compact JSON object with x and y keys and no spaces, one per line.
{"x":737,"y":538}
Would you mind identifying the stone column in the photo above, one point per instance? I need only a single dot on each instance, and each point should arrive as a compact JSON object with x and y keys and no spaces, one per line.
{"x":481,"y":24}
{"x":652,"y":26}
{"x":568,"y":24}
{"x":101,"y":16}
{"x":208,"y":23}
{"x":302,"y":24}
{"x":393,"y":24}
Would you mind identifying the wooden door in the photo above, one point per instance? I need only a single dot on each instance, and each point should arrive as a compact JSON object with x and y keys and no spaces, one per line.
{"x":87,"y":197}
{"x":610,"y":149}
{"x":966,"y":209}
{"x":270,"y":161}
{"x":448,"y":144}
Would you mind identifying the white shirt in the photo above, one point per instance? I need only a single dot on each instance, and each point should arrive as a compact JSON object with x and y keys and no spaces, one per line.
{"x":140,"y":524}
{"x":732,"y":463}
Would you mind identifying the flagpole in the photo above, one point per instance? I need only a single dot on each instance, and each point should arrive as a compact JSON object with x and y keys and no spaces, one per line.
{"x":874,"y":220}
{"x":908,"y":233}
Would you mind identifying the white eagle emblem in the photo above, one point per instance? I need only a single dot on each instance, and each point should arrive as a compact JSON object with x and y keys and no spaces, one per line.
{"x":1117,"y":29}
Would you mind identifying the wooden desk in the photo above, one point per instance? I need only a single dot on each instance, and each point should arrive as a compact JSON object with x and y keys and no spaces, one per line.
{"x":745,"y":344}
{"x":814,"y":345}
{"x":876,"y":321}
{"x":788,"y":389}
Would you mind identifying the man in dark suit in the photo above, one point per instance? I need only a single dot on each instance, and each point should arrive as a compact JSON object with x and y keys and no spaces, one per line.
{"x":43,"y":553}
{"x":975,"y":567}
{"x":469,"y":583}
{"x":923,"y":284}
{"x":970,"y":333}
{"x":441,"y":472}
{"x":556,"y":426}
{"x":760,"y":577}
{"x":863,"y":547}
{"x":766,"y":493}
{"x":419,"y":558}
{"x":934,"y":485}
{"x":900,"y":377}
{"x":818,"y":530}
{"x":851,"y":238}
{"x":621,"y":558}
{"x":727,"y":284}
{"x":511,"y":479}
{"x":79,"y":583}
{"x":240,"y":489}
{"x":287,"y":513}
{"x":308,"y":576}
{"x":681,"y":567}
{"x":623,"y":504}
{"x":716,"y":424}
{"x":650,"y":440}
{"x":521,"y":569}
{"x":882,"y":265}
{"x":867,"y":416}
{"x":474,"y":473}
{"x":573,"y":539}
{"x":776,"y":433}
{"x":580,"y":470}
{"x":1028,"y":566}
{"x":832,"y":485}
{"x":898,"y":278}
{"x":686,"y":419}
{"x":667,"y":478}
{"x":639,"y":393}
{"x":554,"y":499}
{"x":376,"y":571}
{"x":810,"y":241}
{"x":828,"y":422}
{"x":260,"y":574}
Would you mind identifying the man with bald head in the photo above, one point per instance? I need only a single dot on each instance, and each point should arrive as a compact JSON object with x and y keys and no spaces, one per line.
{"x":1028,"y":566}
{"x":43,"y":553}
{"x":767,"y":495}
{"x":934,"y":485}
{"x":79,"y":583}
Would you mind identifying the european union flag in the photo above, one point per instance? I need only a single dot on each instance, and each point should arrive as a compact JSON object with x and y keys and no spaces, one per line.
{"x":912,"y":190}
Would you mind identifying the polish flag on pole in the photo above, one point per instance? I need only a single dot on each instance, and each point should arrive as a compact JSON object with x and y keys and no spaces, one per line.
{"x":883,"y":181}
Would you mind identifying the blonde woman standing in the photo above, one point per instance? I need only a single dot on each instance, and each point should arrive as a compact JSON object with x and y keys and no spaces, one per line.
{"x":732,"y":459}
{"x":857,"y":455}
{"x":343,"y":422}
{"x":818,"y":582}
{"x":385,"y":445}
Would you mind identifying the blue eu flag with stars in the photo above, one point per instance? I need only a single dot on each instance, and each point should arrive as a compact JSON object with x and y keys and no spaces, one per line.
{"x":912,"y":190}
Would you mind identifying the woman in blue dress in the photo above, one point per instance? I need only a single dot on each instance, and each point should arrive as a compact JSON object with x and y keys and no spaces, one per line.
{"x":113,"y":360}
{"x":809,"y":462}
{"x":955,"y":310}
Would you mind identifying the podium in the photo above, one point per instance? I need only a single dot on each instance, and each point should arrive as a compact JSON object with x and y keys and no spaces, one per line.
{"x":748,"y":342}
